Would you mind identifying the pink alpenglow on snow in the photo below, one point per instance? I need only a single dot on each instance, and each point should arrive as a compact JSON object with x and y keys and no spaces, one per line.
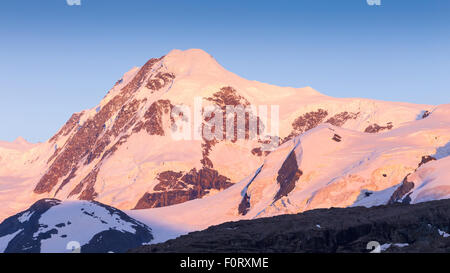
{"x":277,"y":150}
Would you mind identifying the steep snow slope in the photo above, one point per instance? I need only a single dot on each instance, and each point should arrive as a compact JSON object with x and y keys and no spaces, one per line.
{"x":50,"y":226}
{"x":329,"y":167}
{"x":21,"y":164}
{"x":122,"y":152}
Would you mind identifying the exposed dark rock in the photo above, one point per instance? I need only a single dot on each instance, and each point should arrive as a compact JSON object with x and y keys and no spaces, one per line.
{"x":141,"y":76}
{"x":125,"y":118}
{"x":244,"y":206}
{"x":340,"y":119}
{"x":426,"y":114}
{"x":67,"y":180}
{"x":288,"y":175}
{"x":401,"y":191}
{"x":114,"y":148}
{"x":324,"y":231}
{"x":118,"y":82}
{"x":259,"y":152}
{"x":206,"y":149}
{"x":426,"y":159}
{"x":337,"y":138}
{"x":228,"y":96}
{"x":169,"y":180}
{"x":86,"y":186}
{"x":160,"y":80}
{"x":375,"y":128}
{"x":153,"y":118}
{"x":306,"y":122}
{"x":406,"y":185}
{"x":174,"y":188}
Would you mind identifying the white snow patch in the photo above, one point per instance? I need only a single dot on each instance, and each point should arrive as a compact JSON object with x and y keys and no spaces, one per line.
{"x":25,"y":216}
{"x":386,"y":246}
{"x":4,"y":241}
{"x":443,"y":233}
{"x":86,"y":219}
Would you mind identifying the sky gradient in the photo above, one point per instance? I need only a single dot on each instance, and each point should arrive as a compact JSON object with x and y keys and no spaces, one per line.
{"x":57,"y":59}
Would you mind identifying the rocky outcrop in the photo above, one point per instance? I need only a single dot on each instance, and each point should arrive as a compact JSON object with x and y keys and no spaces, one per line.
{"x":259,"y":152}
{"x":312,"y":119}
{"x":228,"y":96}
{"x":160,"y":80}
{"x":375,"y":128}
{"x":426,"y":114}
{"x":86,"y":186}
{"x":425,"y":160}
{"x":341,"y":118}
{"x":306,"y":122}
{"x":337,"y":138}
{"x":244,"y":206}
{"x":169,"y":180}
{"x":176,"y":187}
{"x":153,"y":118}
{"x":406,"y":186}
{"x":421,"y":227}
{"x":401,"y":191}
{"x":288,"y":175}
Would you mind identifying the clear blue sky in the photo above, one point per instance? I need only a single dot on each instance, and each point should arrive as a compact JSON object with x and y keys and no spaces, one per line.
{"x":57,"y":59}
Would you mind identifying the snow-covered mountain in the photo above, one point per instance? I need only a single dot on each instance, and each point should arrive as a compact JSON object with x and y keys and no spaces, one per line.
{"x":122,"y":152}
{"x":332,"y":151}
{"x":50,"y":226}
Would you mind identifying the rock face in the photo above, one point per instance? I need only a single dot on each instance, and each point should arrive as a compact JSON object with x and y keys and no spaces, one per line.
{"x":52,"y":226}
{"x":401,"y":194}
{"x":175,"y":188}
{"x":312,"y":119}
{"x":306,"y":122}
{"x":397,"y":228}
{"x":90,"y":139}
{"x":375,"y":128}
{"x":288,"y":175}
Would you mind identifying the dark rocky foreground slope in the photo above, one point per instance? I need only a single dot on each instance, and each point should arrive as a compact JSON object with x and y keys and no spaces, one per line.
{"x":421,"y":227}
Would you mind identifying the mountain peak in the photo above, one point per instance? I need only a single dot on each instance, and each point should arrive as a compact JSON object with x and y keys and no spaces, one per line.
{"x":21,"y":140}
{"x":192,"y":61}
{"x":18,"y":144}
